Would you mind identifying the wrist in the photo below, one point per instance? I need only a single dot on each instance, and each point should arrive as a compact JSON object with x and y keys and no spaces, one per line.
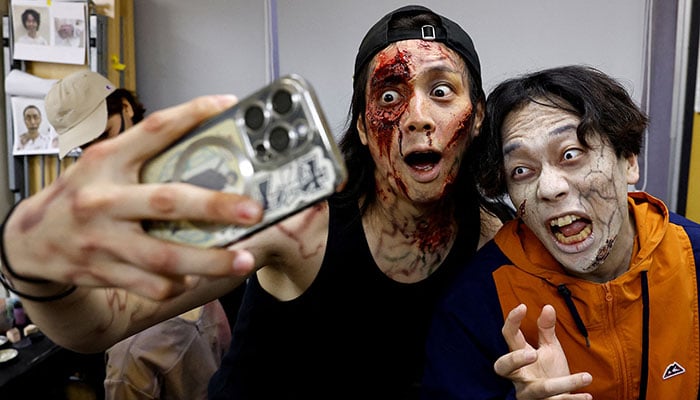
{"x":34,"y":289}
{"x":4,"y":263}
{"x":43,"y":292}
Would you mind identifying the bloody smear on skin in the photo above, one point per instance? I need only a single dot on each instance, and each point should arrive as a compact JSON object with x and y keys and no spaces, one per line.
{"x":463,"y":129}
{"x":604,"y":252}
{"x":395,"y":71}
{"x":384,"y":120}
{"x":435,"y":233}
{"x":521,"y":210}
{"x":390,"y":71}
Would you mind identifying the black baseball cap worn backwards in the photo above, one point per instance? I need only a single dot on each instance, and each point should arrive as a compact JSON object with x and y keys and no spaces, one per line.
{"x":448,"y":32}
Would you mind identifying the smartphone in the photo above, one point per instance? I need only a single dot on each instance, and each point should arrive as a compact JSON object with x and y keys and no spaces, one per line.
{"x":274,"y":146}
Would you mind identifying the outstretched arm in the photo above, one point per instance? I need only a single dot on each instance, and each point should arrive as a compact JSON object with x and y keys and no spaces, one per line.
{"x":84,"y":229}
{"x":541,"y":373}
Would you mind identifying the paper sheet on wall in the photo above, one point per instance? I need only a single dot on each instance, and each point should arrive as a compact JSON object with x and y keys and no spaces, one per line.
{"x":49,"y":31}
{"x":27,"y":91}
{"x":20,"y":83}
{"x":32,"y":132}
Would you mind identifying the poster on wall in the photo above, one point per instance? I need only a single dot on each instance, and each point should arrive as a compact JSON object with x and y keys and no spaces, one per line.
{"x":32,"y":132}
{"x":49,"y":31}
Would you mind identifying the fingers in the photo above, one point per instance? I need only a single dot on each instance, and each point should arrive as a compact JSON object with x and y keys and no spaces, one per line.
{"x":138,"y":281}
{"x":163,"y":127}
{"x":509,"y":363}
{"x":557,"y":388}
{"x":546,"y":325}
{"x":172,"y":201}
{"x":171,"y":259}
{"x":569,"y":396}
{"x":511,"y":328}
{"x":152,"y":268}
{"x":529,"y":387}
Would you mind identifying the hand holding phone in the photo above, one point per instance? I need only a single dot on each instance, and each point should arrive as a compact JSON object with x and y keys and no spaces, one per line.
{"x":273,"y":146}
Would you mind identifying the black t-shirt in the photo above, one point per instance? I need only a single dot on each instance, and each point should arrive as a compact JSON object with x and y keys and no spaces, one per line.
{"x":354,"y":333}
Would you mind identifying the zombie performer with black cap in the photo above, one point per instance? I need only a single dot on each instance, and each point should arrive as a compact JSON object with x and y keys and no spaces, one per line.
{"x":339,"y":296}
{"x":389,"y":243}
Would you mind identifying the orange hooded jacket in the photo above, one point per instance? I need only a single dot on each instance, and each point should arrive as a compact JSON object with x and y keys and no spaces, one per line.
{"x":638,"y":335}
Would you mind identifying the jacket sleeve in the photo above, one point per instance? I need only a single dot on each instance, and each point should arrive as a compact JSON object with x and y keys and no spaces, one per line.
{"x":465,"y":337}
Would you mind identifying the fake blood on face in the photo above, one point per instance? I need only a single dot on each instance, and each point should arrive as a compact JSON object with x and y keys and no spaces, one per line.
{"x":385,"y":120}
{"x":435,"y":233}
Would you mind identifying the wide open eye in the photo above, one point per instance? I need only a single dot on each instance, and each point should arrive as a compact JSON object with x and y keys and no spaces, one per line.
{"x":389,"y":97}
{"x":519,"y":171}
{"x":572,"y":154}
{"x":441,"y":91}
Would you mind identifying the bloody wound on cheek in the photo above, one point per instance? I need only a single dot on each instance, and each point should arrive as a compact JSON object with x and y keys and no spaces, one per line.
{"x":463,"y":128}
{"x":521,"y":210}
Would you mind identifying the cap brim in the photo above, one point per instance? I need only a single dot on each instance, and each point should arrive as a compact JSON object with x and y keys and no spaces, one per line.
{"x":85,"y":131}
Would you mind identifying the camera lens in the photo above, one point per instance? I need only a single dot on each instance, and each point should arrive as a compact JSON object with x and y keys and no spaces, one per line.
{"x":254,"y":117}
{"x":282,"y":102}
{"x":279,"y":139}
{"x":261,"y":153}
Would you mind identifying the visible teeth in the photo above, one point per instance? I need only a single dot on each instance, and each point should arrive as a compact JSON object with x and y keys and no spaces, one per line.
{"x":563,"y":221}
{"x":575,"y":238}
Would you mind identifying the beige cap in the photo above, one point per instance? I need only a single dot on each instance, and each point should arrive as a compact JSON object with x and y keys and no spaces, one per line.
{"x":76,"y":107}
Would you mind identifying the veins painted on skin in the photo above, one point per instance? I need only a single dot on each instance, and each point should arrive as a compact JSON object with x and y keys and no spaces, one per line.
{"x":423,"y":241}
{"x":116,"y":299}
{"x":605,"y":187}
{"x":602,"y":187}
{"x":297,"y":235}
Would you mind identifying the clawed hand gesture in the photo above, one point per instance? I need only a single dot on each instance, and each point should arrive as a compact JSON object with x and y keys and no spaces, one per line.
{"x":542,"y":372}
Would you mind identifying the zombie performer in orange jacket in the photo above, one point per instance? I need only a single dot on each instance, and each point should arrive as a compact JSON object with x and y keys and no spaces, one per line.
{"x":591,"y":290}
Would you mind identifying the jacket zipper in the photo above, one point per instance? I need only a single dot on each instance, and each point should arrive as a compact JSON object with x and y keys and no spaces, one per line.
{"x":643,"y":379}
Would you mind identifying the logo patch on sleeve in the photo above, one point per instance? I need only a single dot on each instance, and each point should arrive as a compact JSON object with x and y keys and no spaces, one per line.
{"x":673,"y":370}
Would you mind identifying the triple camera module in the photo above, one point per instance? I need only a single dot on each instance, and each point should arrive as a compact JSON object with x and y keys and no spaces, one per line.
{"x":275,"y":125}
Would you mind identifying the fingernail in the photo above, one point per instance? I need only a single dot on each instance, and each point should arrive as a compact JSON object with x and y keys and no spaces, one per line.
{"x":191,"y":281}
{"x":248,"y":210}
{"x":226,"y":100}
{"x":243,"y":262}
{"x":587,"y":378}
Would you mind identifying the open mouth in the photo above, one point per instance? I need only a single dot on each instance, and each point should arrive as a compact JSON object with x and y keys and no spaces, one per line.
{"x":570,"y":229}
{"x":423,"y":160}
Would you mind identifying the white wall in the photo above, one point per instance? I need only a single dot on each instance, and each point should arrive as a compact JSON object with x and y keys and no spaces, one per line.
{"x":319,"y":39}
{"x":188,"y":48}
